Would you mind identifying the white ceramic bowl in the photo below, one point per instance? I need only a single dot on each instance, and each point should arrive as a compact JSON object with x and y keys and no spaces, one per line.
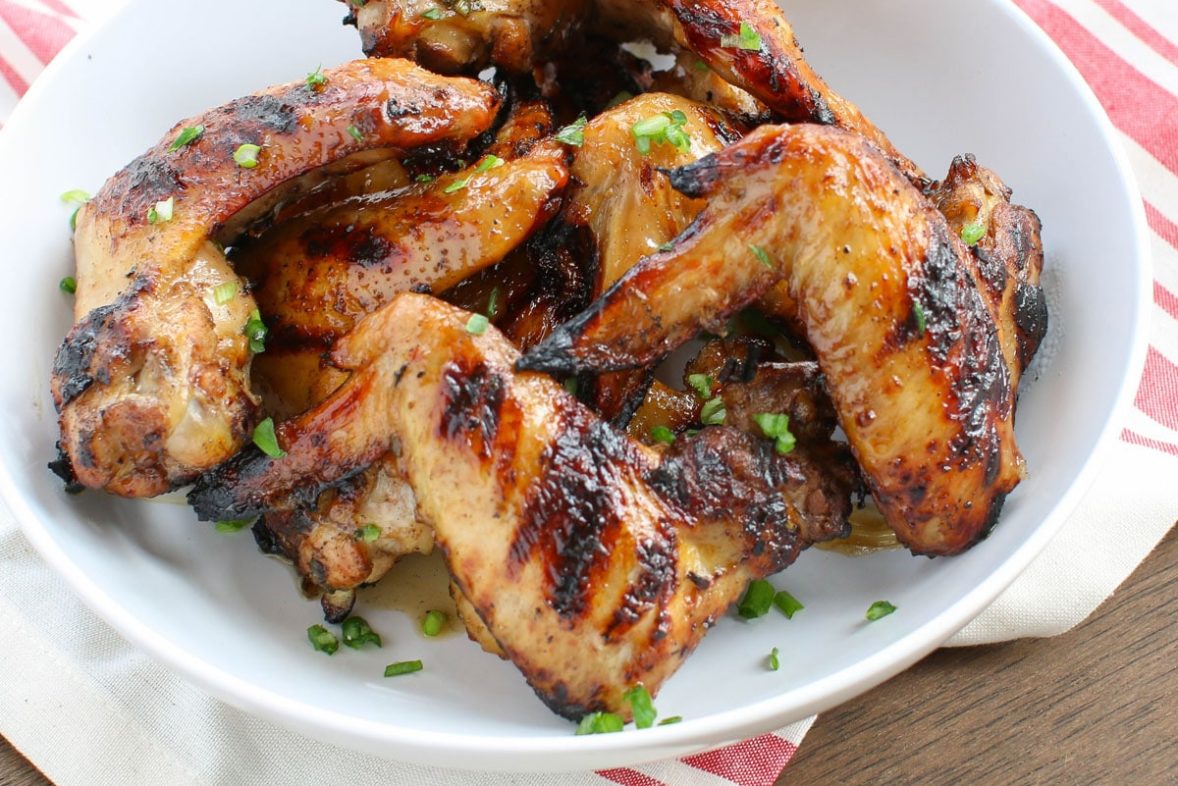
{"x":942,"y":78}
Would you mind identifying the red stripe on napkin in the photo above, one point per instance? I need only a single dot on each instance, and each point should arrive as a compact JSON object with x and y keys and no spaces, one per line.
{"x":1140,"y":28}
{"x":628,"y":777}
{"x":43,"y":34}
{"x":59,"y":7}
{"x":1133,"y":438}
{"x":755,"y":762}
{"x":1166,"y":228}
{"x":1137,"y":106}
{"x":13,"y":78}
{"x":1159,"y":390}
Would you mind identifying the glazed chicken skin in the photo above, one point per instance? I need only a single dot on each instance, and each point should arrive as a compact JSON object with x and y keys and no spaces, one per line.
{"x":592,"y":565}
{"x":151,"y":384}
{"x":749,"y":43}
{"x":889,"y":299}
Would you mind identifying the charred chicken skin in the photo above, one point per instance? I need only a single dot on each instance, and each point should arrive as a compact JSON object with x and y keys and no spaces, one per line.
{"x":891,"y":301}
{"x":151,"y":384}
{"x":592,"y":564}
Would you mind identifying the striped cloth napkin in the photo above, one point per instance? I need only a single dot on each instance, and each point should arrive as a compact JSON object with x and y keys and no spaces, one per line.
{"x":129,"y":721}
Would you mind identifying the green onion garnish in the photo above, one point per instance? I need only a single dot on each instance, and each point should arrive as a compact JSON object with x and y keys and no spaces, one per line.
{"x":186,"y":137}
{"x":267,"y":440}
{"x":369,"y":533}
{"x":878,"y":610}
{"x":488,"y":163}
{"x":357,"y":633}
{"x":74,"y":219}
{"x":713,"y":412}
{"x":666,"y":127}
{"x":223,"y":293}
{"x":255,"y":330}
{"x":641,"y":706}
{"x":774,"y":662}
{"x":322,"y":639}
{"x":162,"y":211}
{"x":477,"y":324}
{"x":775,"y":426}
{"x":757,"y":600}
{"x":493,"y":303}
{"x":762,"y":256}
{"x":670,"y":720}
{"x":972,"y":232}
{"x":355,"y":133}
{"x":434,"y":14}
{"x":600,"y":723}
{"x":75,"y":196}
{"x":574,"y":133}
{"x":702,"y":384}
{"x":787,"y":604}
{"x":662,"y":434}
{"x":700,"y":65}
{"x":433,"y":622}
{"x":246,"y":156}
{"x":457,"y":185}
{"x":668,"y":246}
{"x":402,"y":667}
{"x":571,"y":386}
{"x":69,"y":285}
{"x":316,"y":79}
{"x":918,"y":315}
{"x":747,"y":38}
{"x":425,"y":178}
{"x":234,"y":525}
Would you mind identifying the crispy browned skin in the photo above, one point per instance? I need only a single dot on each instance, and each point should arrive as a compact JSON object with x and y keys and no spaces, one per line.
{"x":889,"y":300}
{"x":517,"y":34}
{"x":152,"y":382}
{"x":315,"y":277}
{"x":592,"y":566}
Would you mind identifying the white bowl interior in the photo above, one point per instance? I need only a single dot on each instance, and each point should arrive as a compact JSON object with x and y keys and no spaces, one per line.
{"x":212,"y":608}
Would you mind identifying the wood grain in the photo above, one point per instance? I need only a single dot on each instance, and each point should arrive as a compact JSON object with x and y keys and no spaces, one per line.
{"x":1095,"y":706}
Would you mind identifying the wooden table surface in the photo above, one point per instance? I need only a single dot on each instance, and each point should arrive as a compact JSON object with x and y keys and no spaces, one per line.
{"x":1098,"y":705}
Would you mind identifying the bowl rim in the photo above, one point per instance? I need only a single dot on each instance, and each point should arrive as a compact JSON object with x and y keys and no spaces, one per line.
{"x":505,"y":752}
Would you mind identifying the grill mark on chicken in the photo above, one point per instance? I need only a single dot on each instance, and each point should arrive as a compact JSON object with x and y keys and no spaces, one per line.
{"x":473,"y":398}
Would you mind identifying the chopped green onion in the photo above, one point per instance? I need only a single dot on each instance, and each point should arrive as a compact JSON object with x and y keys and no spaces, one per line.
{"x":702,"y":384}
{"x":434,"y":14}
{"x":774,"y":662}
{"x":267,"y":440}
{"x":641,"y":706}
{"x":762,"y":256}
{"x":918,"y":315}
{"x":234,"y":525}
{"x":488,"y":163}
{"x":878,"y":610}
{"x":600,"y":723}
{"x":355,"y":133}
{"x":255,"y":330}
{"x":972,"y":232}
{"x":223,"y":293}
{"x":69,"y":285}
{"x":162,"y":211}
{"x":787,"y":604}
{"x":433,"y":622}
{"x":757,"y":600}
{"x":747,"y":38}
{"x":186,"y":137}
{"x":666,"y":127}
{"x":668,"y":246}
{"x":571,"y":386}
{"x":316,"y":79}
{"x":75,"y":196}
{"x":775,"y":426}
{"x":700,"y":65}
{"x":457,"y":185}
{"x":322,"y":639}
{"x":713,"y":412}
{"x":662,"y":434}
{"x":246,"y":156}
{"x":74,"y":219}
{"x":425,"y":178}
{"x":670,"y":720}
{"x":369,"y":533}
{"x":357,"y":633}
{"x":402,"y":667}
{"x":477,"y":324}
{"x":574,"y":133}
{"x":493,"y":303}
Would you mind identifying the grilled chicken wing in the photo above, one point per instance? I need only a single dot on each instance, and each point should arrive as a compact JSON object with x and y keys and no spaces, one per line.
{"x":749,"y":43}
{"x":152,"y":382}
{"x":890,"y":300}
{"x":593,"y":566}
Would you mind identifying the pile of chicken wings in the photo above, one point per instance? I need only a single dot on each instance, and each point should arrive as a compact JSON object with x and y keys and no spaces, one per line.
{"x":429,"y":297}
